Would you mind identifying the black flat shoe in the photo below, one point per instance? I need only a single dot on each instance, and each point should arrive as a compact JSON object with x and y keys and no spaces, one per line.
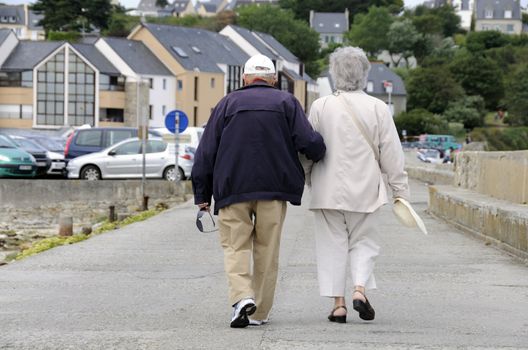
{"x":366,"y":311}
{"x":337,"y":319}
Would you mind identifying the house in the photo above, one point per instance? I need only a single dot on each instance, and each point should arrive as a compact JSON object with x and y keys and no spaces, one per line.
{"x":46,"y":84}
{"x":136,"y":62}
{"x":206,"y":65}
{"x":504,"y":16}
{"x":23,"y":21}
{"x":464,"y":9}
{"x":290,"y":71}
{"x":432,"y":4}
{"x":381,"y":80}
{"x":330,"y":26}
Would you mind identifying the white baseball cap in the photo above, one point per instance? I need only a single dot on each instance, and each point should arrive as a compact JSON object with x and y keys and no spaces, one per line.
{"x":259,"y":64}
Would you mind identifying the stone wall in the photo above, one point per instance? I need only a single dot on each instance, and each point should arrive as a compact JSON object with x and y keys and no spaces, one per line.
{"x":502,"y":175}
{"x":39,"y":203}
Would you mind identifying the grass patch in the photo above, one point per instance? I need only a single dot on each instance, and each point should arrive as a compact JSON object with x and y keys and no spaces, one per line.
{"x":52,"y":242}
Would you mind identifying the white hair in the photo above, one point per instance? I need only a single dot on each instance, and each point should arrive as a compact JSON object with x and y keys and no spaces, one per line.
{"x":349,"y":68}
{"x":266,"y":76}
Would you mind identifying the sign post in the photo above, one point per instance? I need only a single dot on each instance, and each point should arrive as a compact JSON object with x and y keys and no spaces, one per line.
{"x":388,"y":88}
{"x":176,"y":122}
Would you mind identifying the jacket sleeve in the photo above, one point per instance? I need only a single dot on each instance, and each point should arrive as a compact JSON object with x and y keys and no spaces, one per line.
{"x":205,"y":156}
{"x":392,"y":159}
{"x":306,"y":140}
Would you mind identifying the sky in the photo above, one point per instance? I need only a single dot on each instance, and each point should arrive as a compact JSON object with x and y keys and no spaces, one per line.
{"x":133,"y":3}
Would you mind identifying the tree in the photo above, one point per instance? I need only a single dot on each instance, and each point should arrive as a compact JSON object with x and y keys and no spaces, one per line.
{"x":301,"y":8}
{"x":517,"y":95}
{"x":402,"y":39}
{"x":432,"y":88}
{"x":441,"y":21}
{"x":286,"y":29}
{"x":479,"y":75}
{"x":480,"y":41}
{"x":420,"y":121}
{"x":369,"y":31}
{"x":74,"y":15}
{"x":469,"y":111}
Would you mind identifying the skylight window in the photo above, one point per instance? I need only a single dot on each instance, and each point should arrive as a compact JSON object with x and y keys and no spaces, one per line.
{"x":195,"y":49}
{"x":337,"y":25}
{"x":180,"y":51}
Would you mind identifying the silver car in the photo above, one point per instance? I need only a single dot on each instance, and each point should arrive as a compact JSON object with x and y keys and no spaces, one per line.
{"x":124,"y":160}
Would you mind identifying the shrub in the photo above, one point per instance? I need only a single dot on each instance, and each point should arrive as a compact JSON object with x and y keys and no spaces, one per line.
{"x":421,"y":121}
{"x":502,"y":139}
{"x":469,"y":111}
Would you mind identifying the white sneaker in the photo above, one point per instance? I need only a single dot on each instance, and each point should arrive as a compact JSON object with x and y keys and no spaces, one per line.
{"x":241,"y":311}
{"x":253,"y":322}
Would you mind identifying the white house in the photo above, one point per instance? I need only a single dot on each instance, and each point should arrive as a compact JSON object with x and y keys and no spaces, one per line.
{"x":134,"y":60}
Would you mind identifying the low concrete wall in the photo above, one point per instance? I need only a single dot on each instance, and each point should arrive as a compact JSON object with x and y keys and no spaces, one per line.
{"x":500,"y":222}
{"x":431,"y":175}
{"x":503,"y":175}
{"x":39,"y":203}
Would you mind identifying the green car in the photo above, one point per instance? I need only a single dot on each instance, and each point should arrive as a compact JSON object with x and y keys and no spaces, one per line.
{"x":14,"y":162}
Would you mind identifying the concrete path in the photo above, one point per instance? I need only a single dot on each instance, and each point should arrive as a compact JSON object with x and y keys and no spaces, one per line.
{"x":159,"y":284}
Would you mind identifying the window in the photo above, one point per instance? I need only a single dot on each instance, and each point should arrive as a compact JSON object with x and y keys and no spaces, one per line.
{"x":179,"y":51}
{"x":508,"y":14}
{"x":233,"y":78}
{"x":326,"y":38}
{"x":196,"y":88}
{"x":12,"y":19}
{"x":370,"y":86}
{"x":128,"y":148}
{"x":115,"y":136}
{"x":195,"y":116}
{"x":488,"y":13}
{"x":3,"y":19}
{"x":151,"y":83}
{"x":465,"y":5}
{"x":155,"y":146}
{"x":197,"y":50}
{"x":150,"y":112}
{"x":16,"y":79}
{"x":180,"y":85}
{"x":111,"y":115}
{"x":164,"y":84}
{"x":50,"y":91}
{"x":81,"y":90}
{"x":337,"y":25}
{"x":89,"y":138}
{"x":212,"y":83}
{"x":509,"y":27}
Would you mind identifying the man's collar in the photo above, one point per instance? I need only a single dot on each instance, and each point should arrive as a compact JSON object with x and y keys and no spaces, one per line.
{"x":257,"y":83}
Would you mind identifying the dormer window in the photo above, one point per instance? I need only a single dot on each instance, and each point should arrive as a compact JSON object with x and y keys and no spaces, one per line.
{"x":3,"y":19}
{"x":370,"y":86}
{"x":488,"y":13}
{"x":180,"y":51}
{"x":197,"y":50}
{"x":337,"y":25}
{"x":321,"y":25}
{"x":12,"y":19}
{"x":508,"y":14}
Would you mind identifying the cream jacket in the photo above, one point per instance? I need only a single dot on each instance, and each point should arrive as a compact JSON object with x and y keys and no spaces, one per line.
{"x":349,"y":177}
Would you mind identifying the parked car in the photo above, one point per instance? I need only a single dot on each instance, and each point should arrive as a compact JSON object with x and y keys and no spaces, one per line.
{"x":89,"y":140}
{"x":39,"y":153}
{"x":55,"y":152}
{"x":15,"y":162}
{"x":124,"y":160}
{"x":55,"y":163}
{"x":429,"y":156}
{"x":52,"y":144}
{"x":440,"y":141}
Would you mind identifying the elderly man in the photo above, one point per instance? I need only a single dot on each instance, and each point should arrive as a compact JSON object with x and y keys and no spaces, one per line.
{"x":248,"y":161}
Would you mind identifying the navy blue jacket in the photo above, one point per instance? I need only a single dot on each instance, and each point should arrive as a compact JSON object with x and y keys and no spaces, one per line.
{"x":248,"y":150}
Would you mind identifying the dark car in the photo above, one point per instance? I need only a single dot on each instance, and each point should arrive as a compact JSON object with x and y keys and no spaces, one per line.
{"x":85,"y":141}
{"x":38,"y":152}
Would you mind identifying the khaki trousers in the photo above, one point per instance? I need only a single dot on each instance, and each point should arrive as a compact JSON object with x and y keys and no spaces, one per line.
{"x":250,"y":236}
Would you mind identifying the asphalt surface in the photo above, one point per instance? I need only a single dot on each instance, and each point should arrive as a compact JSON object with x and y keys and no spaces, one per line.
{"x":159,"y":284}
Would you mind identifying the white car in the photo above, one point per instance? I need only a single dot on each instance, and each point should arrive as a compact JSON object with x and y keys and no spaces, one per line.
{"x":429,"y":156}
{"x":125,"y":160}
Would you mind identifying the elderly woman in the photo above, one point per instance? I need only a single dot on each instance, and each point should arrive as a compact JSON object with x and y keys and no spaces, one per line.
{"x":347,"y":185}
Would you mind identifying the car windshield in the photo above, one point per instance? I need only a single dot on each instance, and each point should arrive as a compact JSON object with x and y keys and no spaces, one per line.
{"x":28,"y":144}
{"x":6,"y":143}
{"x":50,"y":145}
{"x":432,"y":154}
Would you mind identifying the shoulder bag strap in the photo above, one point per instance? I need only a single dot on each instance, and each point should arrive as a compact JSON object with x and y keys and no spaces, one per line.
{"x":359,"y":126}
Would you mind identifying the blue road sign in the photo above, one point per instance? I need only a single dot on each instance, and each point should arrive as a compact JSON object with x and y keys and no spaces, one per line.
{"x":170,"y":121}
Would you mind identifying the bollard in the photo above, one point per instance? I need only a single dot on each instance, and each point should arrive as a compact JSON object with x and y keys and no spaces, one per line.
{"x":145,"y":203}
{"x":65,"y":226}
{"x":86,"y":230}
{"x":111,"y":213}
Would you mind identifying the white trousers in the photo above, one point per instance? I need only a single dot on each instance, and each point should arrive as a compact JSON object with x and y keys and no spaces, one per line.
{"x":341,"y":236}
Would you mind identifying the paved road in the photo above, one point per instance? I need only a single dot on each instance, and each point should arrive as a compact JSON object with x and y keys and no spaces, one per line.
{"x":159,"y":285}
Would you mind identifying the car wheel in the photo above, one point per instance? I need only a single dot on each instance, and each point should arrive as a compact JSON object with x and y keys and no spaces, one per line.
{"x":90,"y":172}
{"x":170,"y":175}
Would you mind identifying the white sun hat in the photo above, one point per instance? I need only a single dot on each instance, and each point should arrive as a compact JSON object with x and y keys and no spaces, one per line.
{"x":259,"y":64}
{"x":407,"y":216}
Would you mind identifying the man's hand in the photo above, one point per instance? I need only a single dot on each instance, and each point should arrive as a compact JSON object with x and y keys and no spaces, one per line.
{"x":204,"y":206}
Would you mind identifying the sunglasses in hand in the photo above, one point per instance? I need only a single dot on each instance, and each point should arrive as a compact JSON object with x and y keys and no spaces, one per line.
{"x":208,"y":216}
